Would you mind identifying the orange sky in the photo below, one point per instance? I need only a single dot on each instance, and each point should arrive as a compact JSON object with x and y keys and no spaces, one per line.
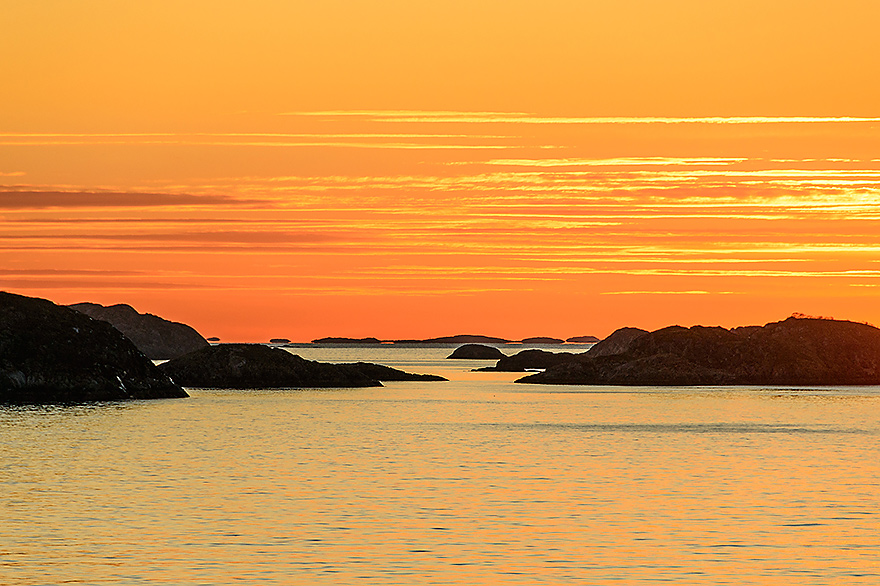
{"x":404,"y":169}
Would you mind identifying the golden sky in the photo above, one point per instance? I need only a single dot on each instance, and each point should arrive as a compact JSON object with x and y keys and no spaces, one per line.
{"x":411,"y":169}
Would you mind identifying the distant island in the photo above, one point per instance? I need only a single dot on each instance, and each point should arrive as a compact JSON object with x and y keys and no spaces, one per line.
{"x":542,"y":340}
{"x":532,"y":359}
{"x":476,"y":352}
{"x":347,"y":341}
{"x":460,"y":339}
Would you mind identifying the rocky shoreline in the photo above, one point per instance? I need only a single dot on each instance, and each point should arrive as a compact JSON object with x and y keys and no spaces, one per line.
{"x":56,"y":354}
{"x":53,"y":354}
{"x":793,"y":352}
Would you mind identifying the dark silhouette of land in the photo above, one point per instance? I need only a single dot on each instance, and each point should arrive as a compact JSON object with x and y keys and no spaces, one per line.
{"x":796,"y":352}
{"x":617,"y":343}
{"x":387,"y":374}
{"x":460,"y":339}
{"x":347,"y":341}
{"x":542,"y":340}
{"x":476,"y":352}
{"x":56,"y":354}
{"x":158,"y":338}
{"x":530,"y":360}
{"x":255,"y":366}
{"x":53,"y":354}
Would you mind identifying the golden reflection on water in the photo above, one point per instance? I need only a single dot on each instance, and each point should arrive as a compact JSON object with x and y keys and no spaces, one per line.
{"x":475,"y":481}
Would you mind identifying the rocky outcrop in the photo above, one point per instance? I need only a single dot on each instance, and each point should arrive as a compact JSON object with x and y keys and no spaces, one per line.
{"x":458,"y":339}
{"x":279,"y":341}
{"x":347,"y":341}
{"x":254,"y":366}
{"x":476,"y":352}
{"x":541,"y":340}
{"x":531,"y":360}
{"x":794,"y":352}
{"x":158,"y":338}
{"x":617,"y":343}
{"x":52,"y":354}
{"x":582,"y":340}
{"x":387,"y":374}
{"x":745,"y":330}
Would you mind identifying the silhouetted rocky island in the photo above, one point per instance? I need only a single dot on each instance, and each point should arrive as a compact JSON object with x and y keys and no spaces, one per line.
{"x":542,"y":340}
{"x":53,"y":354}
{"x":158,"y":338}
{"x":617,"y":343}
{"x":347,"y":341}
{"x":530,"y":360}
{"x":254,"y":366}
{"x":476,"y":352}
{"x":795,"y":352}
{"x":535,"y":359}
{"x":582,"y":340}
{"x":458,"y":339}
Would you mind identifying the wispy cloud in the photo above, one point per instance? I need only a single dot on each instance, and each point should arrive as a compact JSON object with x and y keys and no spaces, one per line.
{"x":17,"y":198}
{"x":267,"y":143}
{"x":286,"y":135}
{"x":70,"y":272}
{"x":92,"y":284}
{"x":690,"y":211}
{"x":619,"y":162}
{"x":360,"y":140}
{"x":400,"y":113}
{"x":695,"y":292}
{"x":529,"y":118}
{"x":238,"y":237}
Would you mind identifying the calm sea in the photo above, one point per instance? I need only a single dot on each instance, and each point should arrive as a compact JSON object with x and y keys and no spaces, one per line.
{"x":473,"y":481}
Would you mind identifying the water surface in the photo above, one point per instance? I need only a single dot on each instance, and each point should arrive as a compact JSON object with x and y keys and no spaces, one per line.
{"x":473,"y":481}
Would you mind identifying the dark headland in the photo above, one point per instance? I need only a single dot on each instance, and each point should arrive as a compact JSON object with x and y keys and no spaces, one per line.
{"x":158,"y":338}
{"x":255,"y":366}
{"x":387,"y":374}
{"x":53,"y":354}
{"x":795,"y":352}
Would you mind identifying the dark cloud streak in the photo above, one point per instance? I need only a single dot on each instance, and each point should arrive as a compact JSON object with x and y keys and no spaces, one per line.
{"x":223,"y":237}
{"x":70,"y":272}
{"x":20,"y":199}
